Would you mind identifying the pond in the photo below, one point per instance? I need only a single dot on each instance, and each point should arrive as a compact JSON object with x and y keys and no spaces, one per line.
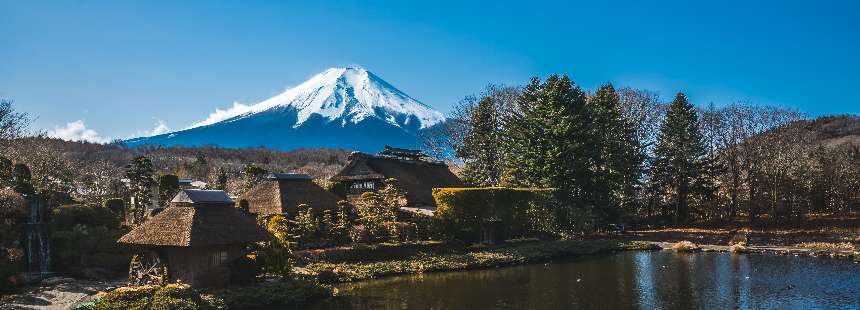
{"x":626,"y":280}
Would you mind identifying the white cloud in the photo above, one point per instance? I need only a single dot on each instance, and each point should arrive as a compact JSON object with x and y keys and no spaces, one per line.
{"x":77,"y":131}
{"x":220,"y":115}
{"x":160,"y":128}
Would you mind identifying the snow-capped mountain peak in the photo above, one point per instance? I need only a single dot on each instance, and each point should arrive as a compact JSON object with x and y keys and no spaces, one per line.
{"x":346,"y":95}
{"x":348,"y":108}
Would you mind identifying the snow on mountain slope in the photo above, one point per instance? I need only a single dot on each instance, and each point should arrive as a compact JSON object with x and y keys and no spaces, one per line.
{"x":340,"y":107}
{"x":349,"y":94}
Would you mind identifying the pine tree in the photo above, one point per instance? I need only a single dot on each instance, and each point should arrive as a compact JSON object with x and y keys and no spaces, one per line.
{"x":681,"y":167}
{"x":549,"y":142}
{"x":139,"y":174}
{"x":23,"y":179}
{"x":221,"y":183}
{"x":168,"y":187}
{"x":480,"y":150}
{"x":619,"y":162}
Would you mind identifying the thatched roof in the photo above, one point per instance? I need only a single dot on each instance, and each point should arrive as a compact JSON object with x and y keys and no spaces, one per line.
{"x":284,"y":195}
{"x":288,"y":176}
{"x":417,"y":177}
{"x":197,"y":224}
{"x":201,"y":196}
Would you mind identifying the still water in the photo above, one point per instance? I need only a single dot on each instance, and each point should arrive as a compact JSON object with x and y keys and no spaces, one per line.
{"x":627,"y":280}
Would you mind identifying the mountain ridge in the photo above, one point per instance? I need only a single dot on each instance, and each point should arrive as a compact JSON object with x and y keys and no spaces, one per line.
{"x":347,"y":107}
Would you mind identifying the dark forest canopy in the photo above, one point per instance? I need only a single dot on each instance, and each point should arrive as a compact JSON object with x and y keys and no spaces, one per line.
{"x":743,"y":162}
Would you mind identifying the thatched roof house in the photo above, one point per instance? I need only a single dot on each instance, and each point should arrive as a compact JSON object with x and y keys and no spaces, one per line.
{"x":198,"y":235}
{"x":417,"y":176}
{"x":282,"y":193}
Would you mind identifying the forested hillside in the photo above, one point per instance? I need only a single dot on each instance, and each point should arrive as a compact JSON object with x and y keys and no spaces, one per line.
{"x":89,"y":172}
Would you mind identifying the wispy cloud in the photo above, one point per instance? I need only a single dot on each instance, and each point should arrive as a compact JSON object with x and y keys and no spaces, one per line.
{"x":220,"y":115}
{"x":77,"y":131}
{"x":160,"y":127}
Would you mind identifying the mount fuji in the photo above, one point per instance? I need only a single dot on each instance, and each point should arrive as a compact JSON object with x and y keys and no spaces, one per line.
{"x":348,"y":108}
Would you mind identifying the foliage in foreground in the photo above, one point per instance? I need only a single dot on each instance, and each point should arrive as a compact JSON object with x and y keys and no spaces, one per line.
{"x":503,"y":256}
{"x":183,"y":296}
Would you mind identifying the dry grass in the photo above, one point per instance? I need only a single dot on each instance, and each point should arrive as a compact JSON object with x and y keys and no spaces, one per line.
{"x":829,"y":246}
{"x":739,"y":247}
{"x":685,"y":246}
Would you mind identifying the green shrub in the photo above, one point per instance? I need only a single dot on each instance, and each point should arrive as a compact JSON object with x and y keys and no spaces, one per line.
{"x":519,"y":211}
{"x":290,"y":292}
{"x":243,"y":271}
{"x":66,"y":217}
{"x":154,"y":297}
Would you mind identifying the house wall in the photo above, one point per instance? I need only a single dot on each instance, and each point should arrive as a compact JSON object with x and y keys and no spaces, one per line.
{"x":197,"y":266}
{"x":350,"y":191}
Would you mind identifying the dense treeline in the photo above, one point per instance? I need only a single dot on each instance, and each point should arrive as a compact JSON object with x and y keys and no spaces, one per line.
{"x":624,"y":156}
{"x":90,"y":173}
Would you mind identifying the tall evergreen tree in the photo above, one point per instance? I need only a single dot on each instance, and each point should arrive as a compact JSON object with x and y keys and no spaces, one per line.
{"x":168,"y":187}
{"x":620,"y":159}
{"x":23,"y":179}
{"x":681,"y":167}
{"x":481,"y":151}
{"x":550,"y":143}
{"x":221,"y":181}
{"x":139,"y":174}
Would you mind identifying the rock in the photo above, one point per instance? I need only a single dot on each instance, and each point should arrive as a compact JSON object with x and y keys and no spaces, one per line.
{"x":52,"y":281}
{"x":97,"y":273}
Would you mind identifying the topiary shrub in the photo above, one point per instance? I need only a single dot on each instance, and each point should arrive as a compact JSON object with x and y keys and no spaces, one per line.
{"x":83,"y":240}
{"x":517,"y":212}
{"x":66,"y":217}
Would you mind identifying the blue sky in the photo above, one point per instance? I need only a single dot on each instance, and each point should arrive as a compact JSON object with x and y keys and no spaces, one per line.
{"x":114,"y":69}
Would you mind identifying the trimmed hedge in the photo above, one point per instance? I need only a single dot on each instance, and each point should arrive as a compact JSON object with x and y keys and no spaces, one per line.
{"x":515,"y":212}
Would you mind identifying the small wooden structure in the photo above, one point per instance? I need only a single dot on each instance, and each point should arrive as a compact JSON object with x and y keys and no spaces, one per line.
{"x":193,"y":240}
{"x":282,"y":193}
{"x":415,"y":174}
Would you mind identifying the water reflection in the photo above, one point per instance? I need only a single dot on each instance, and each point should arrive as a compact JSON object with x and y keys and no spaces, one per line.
{"x":629,"y":280}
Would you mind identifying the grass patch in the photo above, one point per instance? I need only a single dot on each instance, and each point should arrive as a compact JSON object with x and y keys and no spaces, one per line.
{"x":476,"y":259}
{"x":828,"y":246}
{"x":290,"y":292}
{"x":685,"y":246}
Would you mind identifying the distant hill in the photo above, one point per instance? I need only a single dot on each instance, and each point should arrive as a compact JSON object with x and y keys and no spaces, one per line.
{"x":349,"y":108}
{"x":828,"y":131}
{"x":835,"y":130}
{"x":319,"y":163}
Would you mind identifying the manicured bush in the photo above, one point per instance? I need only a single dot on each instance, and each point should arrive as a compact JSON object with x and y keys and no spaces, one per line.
{"x":83,"y":240}
{"x":66,"y":217}
{"x":517,"y":212}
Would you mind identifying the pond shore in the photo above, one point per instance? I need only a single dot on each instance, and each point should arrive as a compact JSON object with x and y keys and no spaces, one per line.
{"x":387,"y":260}
{"x":58,"y":293}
